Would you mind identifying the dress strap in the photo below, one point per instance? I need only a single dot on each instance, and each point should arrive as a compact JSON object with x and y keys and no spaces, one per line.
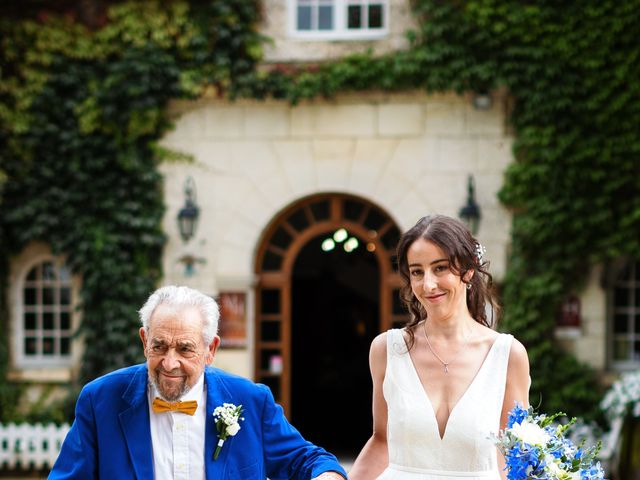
{"x":500,"y":363}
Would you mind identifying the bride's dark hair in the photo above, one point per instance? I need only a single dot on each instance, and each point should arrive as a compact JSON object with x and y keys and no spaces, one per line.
{"x":464,"y":253}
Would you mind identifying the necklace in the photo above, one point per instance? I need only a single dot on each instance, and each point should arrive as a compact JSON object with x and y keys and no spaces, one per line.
{"x":445,"y":365}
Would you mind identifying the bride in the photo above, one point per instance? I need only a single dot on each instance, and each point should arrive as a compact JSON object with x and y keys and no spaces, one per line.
{"x":446,"y":381}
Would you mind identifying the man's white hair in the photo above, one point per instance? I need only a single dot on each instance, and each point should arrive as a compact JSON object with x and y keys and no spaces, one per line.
{"x":179,"y":297}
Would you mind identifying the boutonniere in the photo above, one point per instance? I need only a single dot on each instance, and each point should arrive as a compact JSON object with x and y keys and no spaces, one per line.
{"x":227,"y":418}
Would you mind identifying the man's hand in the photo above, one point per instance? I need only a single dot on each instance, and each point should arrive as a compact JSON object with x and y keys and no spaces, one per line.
{"x":329,"y":476}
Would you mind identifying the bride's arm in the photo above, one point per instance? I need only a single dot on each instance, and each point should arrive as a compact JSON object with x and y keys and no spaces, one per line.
{"x":374,"y":456}
{"x":516,"y":390}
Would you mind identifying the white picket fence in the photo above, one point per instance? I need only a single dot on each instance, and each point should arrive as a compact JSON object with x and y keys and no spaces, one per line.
{"x":30,"y":446}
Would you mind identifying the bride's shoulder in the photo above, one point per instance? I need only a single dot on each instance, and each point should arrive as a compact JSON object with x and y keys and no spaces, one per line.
{"x":517,"y":349}
{"x":393,"y":336}
{"x":518,"y":353}
{"x":379,"y":343}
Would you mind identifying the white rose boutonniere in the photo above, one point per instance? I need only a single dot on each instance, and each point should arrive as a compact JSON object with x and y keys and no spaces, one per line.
{"x":227,"y":418}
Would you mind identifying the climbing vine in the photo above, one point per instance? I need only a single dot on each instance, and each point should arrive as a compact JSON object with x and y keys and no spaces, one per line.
{"x":83,"y":106}
{"x":81,"y":116}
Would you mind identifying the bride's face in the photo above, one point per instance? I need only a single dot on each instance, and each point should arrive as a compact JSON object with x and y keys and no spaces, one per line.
{"x":437,"y":287}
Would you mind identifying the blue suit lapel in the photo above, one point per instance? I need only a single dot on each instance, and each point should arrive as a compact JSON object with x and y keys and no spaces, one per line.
{"x":217,"y":394}
{"x":134,"y":422}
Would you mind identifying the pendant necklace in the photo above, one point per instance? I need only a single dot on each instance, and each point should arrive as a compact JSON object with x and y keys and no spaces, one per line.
{"x":445,"y":365}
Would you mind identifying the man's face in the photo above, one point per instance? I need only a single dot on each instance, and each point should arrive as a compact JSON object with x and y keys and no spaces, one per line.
{"x":175,"y":350}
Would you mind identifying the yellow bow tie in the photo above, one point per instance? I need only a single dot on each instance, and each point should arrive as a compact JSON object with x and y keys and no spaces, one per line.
{"x":189,"y":407}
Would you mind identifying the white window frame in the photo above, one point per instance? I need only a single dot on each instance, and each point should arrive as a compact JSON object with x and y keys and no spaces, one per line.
{"x":630,"y":310}
{"x":340,"y":30}
{"x":41,"y":361}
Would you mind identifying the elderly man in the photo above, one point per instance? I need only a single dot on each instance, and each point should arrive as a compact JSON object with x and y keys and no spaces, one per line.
{"x":176,"y":417}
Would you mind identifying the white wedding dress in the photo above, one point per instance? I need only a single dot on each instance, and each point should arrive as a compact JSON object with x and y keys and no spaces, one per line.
{"x":465,"y":452}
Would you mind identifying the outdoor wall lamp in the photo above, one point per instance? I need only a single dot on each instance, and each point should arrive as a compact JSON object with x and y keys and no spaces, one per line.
{"x":470,"y":213}
{"x":188,"y":215}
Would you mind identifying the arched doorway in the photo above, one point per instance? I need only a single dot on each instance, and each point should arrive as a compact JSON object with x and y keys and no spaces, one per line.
{"x":334,"y":317}
{"x":317,"y":311}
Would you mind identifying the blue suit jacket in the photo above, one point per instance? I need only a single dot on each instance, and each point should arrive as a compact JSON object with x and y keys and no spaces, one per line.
{"x":110,"y":437}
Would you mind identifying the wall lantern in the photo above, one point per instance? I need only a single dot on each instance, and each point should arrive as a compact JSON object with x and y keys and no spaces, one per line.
{"x":470,"y":213}
{"x":188,"y":215}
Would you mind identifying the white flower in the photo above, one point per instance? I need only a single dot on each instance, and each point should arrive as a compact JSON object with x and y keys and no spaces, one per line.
{"x":530,"y":433}
{"x":233,"y":429}
{"x":552,"y":466}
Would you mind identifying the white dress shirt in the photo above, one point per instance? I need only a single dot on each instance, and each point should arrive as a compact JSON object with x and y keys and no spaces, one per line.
{"x":177,"y":439}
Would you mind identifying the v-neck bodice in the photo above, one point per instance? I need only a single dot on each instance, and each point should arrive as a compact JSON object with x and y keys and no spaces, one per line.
{"x":416,"y":450}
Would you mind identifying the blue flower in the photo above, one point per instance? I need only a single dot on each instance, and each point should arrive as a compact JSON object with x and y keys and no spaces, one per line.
{"x":517,"y":415}
{"x":521,"y":461}
{"x":594,"y":472}
{"x":557,"y":452}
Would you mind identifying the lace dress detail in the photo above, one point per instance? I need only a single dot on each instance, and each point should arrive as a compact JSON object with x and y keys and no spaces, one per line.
{"x":465,"y":451}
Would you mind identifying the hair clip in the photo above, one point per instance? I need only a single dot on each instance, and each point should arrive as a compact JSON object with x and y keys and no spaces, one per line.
{"x":480,"y":252}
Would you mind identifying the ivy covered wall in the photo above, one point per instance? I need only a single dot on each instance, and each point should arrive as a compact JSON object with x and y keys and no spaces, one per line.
{"x":81,"y":115}
{"x":85,"y":107}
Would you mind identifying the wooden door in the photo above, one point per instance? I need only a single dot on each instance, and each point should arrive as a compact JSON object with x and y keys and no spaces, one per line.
{"x":283,"y":239}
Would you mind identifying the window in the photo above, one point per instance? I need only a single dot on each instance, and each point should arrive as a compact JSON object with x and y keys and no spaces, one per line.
{"x":339,"y":19}
{"x":364,"y":15}
{"x":44,"y":321}
{"x":315,"y":15}
{"x":625,"y":321}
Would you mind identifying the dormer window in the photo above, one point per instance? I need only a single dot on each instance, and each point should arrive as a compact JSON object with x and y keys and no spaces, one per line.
{"x":339,"y":19}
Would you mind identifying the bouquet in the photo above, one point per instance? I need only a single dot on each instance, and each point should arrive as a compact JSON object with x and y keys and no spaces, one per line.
{"x":535,"y":448}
